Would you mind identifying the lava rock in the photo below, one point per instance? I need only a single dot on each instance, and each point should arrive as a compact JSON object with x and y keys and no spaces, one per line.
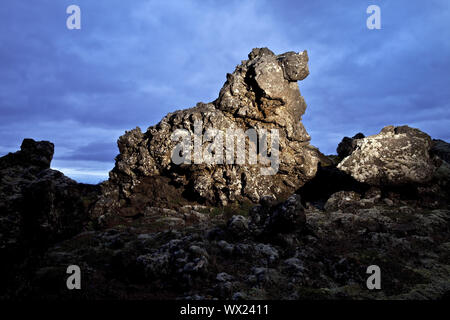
{"x":262,"y":93}
{"x":395,"y":156}
{"x":238,"y":225}
{"x":342,"y":200}
{"x":287,"y":217}
{"x":295,"y":66}
{"x":34,"y":155}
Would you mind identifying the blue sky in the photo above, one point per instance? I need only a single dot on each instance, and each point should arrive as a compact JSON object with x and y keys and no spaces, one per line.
{"x":134,"y":61}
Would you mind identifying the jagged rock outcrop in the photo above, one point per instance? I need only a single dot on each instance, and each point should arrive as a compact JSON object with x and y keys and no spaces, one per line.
{"x":17,"y":171}
{"x":38,"y":206}
{"x":34,"y":156}
{"x":395,"y":156}
{"x":261,"y":94}
{"x":43,"y":203}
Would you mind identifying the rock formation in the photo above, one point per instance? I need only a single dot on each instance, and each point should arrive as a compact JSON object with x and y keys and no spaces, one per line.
{"x":39,"y":199}
{"x":395,"y":156}
{"x":262,"y":93}
{"x":38,"y":205}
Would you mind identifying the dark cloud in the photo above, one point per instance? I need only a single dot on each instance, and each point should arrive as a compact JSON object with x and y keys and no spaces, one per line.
{"x":132,"y":62}
{"x":94,"y":151}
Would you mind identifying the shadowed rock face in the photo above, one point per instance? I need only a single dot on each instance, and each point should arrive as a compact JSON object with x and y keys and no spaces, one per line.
{"x":347,"y":145}
{"x":262,"y":93}
{"x":395,"y":156}
{"x":38,"y":206}
{"x":441,"y":149}
{"x":34,"y":155}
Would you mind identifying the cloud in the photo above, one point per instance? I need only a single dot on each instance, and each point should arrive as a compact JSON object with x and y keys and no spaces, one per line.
{"x":93,"y":151}
{"x":84,"y":171}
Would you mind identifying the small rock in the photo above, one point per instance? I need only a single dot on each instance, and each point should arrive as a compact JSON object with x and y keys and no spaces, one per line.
{"x":287,"y":217}
{"x":406,"y":209}
{"x":239,"y":296}
{"x":224,"y":277}
{"x":269,"y":252}
{"x":342,"y":200}
{"x":198,"y":251}
{"x":238,"y":225}
{"x":293,"y":265}
{"x":225,"y":247}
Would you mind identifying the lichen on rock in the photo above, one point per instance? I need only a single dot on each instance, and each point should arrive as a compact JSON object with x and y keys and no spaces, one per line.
{"x":395,"y":156}
{"x":261,"y":94}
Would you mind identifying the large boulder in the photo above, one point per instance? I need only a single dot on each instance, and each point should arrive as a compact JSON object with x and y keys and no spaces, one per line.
{"x":261,"y":94}
{"x":395,"y":156}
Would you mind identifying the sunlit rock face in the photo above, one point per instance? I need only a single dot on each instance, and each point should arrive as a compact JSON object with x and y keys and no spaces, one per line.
{"x":261,"y":94}
{"x":395,"y":156}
